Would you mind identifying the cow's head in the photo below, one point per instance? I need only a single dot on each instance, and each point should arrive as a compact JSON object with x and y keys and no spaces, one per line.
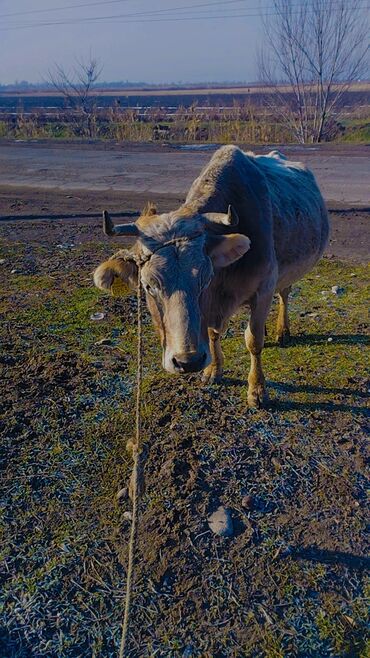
{"x":178,"y":255}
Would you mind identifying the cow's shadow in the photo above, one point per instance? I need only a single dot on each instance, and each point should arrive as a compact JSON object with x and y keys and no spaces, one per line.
{"x":315,"y":554}
{"x":292,"y":405}
{"x":11,"y":644}
{"x":307,"y":388}
{"x":289,"y":404}
{"x":322,"y":339}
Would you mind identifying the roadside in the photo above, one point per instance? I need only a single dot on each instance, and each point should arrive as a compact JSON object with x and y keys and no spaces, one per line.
{"x":48,"y":215}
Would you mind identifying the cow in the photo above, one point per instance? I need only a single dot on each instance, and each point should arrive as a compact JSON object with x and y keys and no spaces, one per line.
{"x":251,"y":225}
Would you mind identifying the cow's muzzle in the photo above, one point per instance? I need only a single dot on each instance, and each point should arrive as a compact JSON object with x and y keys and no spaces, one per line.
{"x":189,"y":362}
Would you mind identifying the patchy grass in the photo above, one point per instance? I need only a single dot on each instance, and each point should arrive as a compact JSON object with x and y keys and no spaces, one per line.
{"x":356,"y":131}
{"x":292,"y":579}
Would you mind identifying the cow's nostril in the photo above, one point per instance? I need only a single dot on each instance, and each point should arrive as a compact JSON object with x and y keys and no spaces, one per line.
{"x":178,"y":365}
{"x":189,"y":362}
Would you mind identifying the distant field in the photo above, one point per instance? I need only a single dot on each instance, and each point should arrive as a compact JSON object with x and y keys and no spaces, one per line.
{"x":214,"y":97}
{"x":189,"y":90}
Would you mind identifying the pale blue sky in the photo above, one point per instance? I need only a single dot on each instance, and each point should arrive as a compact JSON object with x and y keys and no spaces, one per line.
{"x":152,"y":50}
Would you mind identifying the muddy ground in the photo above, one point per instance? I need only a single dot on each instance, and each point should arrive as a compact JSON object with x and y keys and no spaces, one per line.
{"x":291,"y":580}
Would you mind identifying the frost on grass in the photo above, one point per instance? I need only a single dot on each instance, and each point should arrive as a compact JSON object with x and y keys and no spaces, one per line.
{"x":291,"y":578}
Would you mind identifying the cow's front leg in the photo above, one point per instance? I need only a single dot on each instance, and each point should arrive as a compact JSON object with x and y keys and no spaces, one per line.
{"x":254,"y":338}
{"x":213,"y":372}
{"x":282,"y":329}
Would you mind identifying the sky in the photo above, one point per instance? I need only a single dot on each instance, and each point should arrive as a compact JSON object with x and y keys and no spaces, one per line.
{"x":137,"y":40}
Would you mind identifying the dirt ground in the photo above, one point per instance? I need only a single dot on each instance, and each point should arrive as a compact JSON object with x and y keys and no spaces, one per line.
{"x":291,"y":581}
{"x":23,"y":208}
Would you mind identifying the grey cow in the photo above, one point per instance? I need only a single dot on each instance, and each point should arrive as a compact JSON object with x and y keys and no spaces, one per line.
{"x":251,"y":225}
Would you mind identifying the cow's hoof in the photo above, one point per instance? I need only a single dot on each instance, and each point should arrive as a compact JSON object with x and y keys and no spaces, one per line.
{"x":257,"y":397}
{"x":283,"y":339}
{"x":211,"y":376}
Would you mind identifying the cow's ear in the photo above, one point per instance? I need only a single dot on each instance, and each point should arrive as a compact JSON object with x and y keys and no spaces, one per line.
{"x":226,"y":249}
{"x":125,"y":270}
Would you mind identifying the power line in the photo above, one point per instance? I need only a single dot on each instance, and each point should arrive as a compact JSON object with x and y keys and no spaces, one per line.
{"x":146,"y":12}
{"x":111,"y":2}
{"x":146,"y":17}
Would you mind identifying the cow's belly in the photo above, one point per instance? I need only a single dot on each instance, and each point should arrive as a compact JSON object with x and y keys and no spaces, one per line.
{"x":291,"y":272}
{"x":298,"y":247}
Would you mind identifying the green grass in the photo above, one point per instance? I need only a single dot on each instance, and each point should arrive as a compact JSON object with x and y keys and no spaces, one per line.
{"x":68,"y":413}
{"x":356,"y":131}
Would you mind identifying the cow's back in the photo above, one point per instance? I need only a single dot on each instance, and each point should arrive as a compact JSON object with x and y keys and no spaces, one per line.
{"x":279,"y":205}
{"x":300,"y":218}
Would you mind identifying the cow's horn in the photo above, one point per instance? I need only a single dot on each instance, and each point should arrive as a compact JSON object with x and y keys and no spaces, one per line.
{"x":227,"y":219}
{"x":120,"y":229}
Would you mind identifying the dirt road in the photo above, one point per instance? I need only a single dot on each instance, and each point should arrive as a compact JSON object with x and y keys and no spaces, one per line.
{"x":62,"y":182}
{"x":343,"y":171}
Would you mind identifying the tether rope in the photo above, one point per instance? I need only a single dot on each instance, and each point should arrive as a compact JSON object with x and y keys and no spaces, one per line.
{"x":136,"y":483}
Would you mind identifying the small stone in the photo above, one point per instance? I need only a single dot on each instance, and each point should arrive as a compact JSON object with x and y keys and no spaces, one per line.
{"x":104,"y":341}
{"x":122,"y":493}
{"x":353,"y":274}
{"x":97,"y":316}
{"x":14,"y":272}
{"x":220,"y":522}
{"x":2,"y":261}
{"x":248,"y":502}
{"x":127,"y":516}
{"x":65,"y":245}
{"x":330,"y":339}
{"x":336,"y":290}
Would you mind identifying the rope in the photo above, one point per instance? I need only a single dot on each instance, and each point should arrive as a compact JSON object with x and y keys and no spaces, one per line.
{"x":136,"y":482}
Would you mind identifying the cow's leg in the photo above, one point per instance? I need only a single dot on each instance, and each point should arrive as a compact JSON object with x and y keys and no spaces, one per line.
{"x":282,"y":329}
{"x":254,"y":338}
{"x":213,"y":372}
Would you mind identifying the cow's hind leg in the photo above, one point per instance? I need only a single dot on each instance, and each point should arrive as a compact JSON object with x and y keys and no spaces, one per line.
{"x":282,"y":328}
{"x":254,"y":338}
{"x":213,"y":372}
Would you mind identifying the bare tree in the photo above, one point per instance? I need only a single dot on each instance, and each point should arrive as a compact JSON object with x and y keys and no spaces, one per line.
{"x":317,"y":49}
{"x":77,"y":86}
